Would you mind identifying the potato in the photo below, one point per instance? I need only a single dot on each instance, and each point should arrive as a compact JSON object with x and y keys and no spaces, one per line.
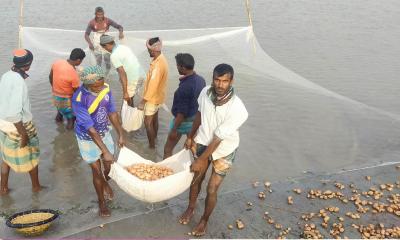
{"x":149,"y":172}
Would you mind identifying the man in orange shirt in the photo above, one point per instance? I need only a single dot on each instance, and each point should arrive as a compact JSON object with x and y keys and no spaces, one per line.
{"x":154,"y":89}
{"x":64,"y":81}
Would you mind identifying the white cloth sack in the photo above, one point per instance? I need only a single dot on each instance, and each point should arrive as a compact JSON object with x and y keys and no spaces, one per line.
{"x":132,"y":118}
{"x":158,"y":190}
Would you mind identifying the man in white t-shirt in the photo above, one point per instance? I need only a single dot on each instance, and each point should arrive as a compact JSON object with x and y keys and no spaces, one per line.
{"x":127,"y":65}
{"x":214,"y":139}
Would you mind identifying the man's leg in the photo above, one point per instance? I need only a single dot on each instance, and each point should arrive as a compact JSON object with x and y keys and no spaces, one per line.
{"x":59,"y":117}
{"x":98,"y":182}
{"x":194,"y":191}
{"x":155,"y":124}
{"x":148,"y":123}
{"x":108,"y":192}
{"x":34,"y":174}
{"x":70,"y":123}
{"x":5,"y":172}
{"x":170,"y":144}
{"x":211,"y":201}
{"x":107,"y":169}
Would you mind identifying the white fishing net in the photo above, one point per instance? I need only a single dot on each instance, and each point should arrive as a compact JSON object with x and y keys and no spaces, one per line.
{"x":292,"y":120}
{"x":294,"y":124}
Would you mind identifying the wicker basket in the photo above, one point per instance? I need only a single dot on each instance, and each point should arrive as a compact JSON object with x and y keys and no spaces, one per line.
{"x":33,"y":222}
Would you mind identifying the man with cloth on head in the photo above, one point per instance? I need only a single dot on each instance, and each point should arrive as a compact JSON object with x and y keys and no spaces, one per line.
{"x":64,"y":81}
{"x":154,"y":89}
{"x":127,"y":65}
{"x":184,"y":106}
{"x":94,"y":107}
{"x":19,"y":143}
{"x":215,"y":128}
{"x":100,"y":25}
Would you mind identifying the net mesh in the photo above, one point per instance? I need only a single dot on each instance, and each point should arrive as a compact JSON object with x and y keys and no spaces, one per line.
{"x":294,"y":124}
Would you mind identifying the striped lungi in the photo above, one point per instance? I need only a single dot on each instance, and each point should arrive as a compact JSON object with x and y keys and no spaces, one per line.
{"x":20,"y":159}
{"x":63,"y":106}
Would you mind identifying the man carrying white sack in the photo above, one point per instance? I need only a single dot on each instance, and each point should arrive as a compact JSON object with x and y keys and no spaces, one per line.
{"x":220,"y":115}
{"x":127,"y":65}
{"x":94,"y":108}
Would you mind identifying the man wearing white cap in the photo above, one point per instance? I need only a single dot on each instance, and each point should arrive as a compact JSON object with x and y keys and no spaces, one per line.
{"x":127,"y":65}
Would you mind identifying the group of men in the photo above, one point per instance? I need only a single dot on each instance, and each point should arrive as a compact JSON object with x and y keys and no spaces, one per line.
{"x":209,"y":116}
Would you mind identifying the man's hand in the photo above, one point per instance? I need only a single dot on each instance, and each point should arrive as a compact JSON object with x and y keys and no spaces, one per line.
{"x":141,"y":105}
{"x":121,"y":35}
{"x":190,"y":144}
{"x":108,"y":157}
{"x":127,"y":98}
{"x":91,"y":46}
{"x":121,"y":141}
{"x":24,"y":140}
{"x":199,"y":165}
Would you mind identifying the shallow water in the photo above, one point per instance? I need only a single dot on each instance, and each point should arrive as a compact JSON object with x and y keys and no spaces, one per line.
{"x":349,"y":48}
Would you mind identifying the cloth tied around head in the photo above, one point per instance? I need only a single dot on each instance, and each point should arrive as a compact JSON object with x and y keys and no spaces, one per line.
{"x":156,"y":46}
{"x":91,"y":74}
{"x":22,"y":58}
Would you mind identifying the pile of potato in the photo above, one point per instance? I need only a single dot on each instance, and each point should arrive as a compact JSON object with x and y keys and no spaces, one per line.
{"x":149,"y":172}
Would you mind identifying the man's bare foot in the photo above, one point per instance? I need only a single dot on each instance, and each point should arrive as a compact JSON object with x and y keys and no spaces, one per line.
{"x":200,"y":229}
{"x":38,"y":188}
{"x":4,"y":191}
{"x":103,"y":210}
{"x":108,"y":193}
{"x":186,"y":216}
{"x":59,"y":118}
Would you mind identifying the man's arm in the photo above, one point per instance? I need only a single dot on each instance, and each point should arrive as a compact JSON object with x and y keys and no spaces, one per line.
{"x":51,"y":77}
{"x":114,"y":118}
{"x":151,"y":88}
{"x":200,"y":164}
{"x":107,"y":156}
{"x":124,"y":82}
{"x":196,"y":125}
{"x":182,"y":106}
{"x":87,"y":38}
{"x":117,"y":26}
{"x":178,"y":120}
{"x":189,"y":143}
{"x":23,"y":133}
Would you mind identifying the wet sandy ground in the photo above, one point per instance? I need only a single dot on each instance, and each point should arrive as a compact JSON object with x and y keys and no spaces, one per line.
{"x":245,"y":204}
{"x":235,"y":205}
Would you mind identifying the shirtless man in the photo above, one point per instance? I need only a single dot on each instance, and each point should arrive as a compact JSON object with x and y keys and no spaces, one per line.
{"x":99,"y":26}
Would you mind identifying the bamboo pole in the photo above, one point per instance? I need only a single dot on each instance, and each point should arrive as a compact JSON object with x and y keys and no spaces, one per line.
{"x":21,"y":22}
{"x":249,"y":13}
{"x":248,"y":9}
